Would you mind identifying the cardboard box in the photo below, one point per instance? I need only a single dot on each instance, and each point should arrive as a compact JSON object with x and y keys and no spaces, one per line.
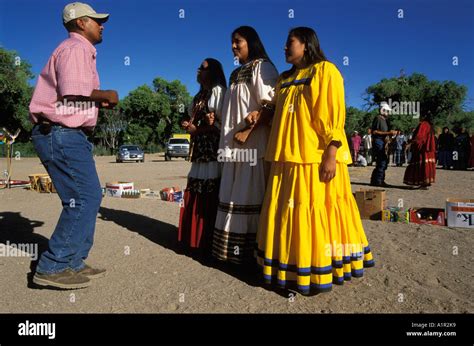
{"x":370,"y":203}
{"x":396,"y":214}
{"x":116,"y":189}
{"x":131,"y":194}
{"x":170,"y":194}
{"x":430,"y":216}
{"x":460,"y":212}
{"x":178,"y":196}
{"x":164,"y":193}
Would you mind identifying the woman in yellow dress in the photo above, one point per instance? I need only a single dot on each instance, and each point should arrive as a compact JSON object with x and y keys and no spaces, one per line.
{"x":310,"y":232}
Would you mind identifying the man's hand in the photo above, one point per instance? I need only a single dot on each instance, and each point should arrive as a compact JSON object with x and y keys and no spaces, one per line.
{"x":112,"y":99}
{"x":105,"y":98}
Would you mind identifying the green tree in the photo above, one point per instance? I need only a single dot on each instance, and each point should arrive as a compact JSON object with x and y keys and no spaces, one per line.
{"x":158,"y":111}
{"x":358,"y":120}
{"x":137,"y":134}
{"x":443,"y":100}
{"x":15,"y":93}
{"x":110,"y":125}
{"x":179,"y":100}
{"x":460,"y":120}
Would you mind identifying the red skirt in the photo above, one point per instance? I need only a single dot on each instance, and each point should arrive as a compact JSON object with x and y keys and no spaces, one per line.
{"x":197,"y":219}
{"x":421,"y":170}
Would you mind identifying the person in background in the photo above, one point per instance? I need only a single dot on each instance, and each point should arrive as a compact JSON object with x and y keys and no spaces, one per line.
{"x":445,"y":149}
{"x":400,"y":141}
{"x":380,"y":132}
{"x":356,"y":140}
{"x":462,"y":150}
{"x":367,"y":140}
{"x":408,"y":152}
{"x":361,"y":161}
{"x":421,"y":170}
{"x":471,"y":158}
{"x":391,"y":145}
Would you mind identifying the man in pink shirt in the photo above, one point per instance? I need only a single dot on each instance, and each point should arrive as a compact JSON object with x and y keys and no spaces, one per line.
{"x":64,"y":109}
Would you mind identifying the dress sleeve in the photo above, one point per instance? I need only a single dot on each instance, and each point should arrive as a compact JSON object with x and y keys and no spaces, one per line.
{"x":264,"y":81}
{"x":422,"y":135}
{"x":329,"y":112}
{"x":215,"y":103}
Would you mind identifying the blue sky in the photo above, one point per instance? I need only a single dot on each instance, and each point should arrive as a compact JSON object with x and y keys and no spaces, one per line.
{"x":159,"y":43}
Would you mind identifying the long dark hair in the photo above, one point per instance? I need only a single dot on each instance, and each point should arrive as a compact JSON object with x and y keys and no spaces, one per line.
{"x":216,"y":76}
{"x":313,"y":52}
{"x":216,"y":73}
{"x":255,"y":45}
{"x":428,"y":118}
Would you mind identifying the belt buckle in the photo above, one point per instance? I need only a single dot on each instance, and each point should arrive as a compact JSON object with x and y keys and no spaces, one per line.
{"x":45,"y":127}
{"x":86,"y":131}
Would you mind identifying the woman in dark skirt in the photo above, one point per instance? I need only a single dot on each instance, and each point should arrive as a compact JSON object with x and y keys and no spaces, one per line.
{"x":201,"y":196}
{"x":421,"y":170}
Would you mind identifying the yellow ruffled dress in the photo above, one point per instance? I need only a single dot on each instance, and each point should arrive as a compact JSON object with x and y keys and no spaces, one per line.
{"x":310,"y":233}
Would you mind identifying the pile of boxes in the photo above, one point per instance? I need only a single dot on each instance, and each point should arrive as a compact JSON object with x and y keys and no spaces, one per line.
{"x":127,"y":190}
{"x":396,"y":214}
{"x":372,"y":205}
{"x":41,"y":183}
{"x":460,"y":212}
{"x":429,"y":216}
{"x":117,"y":189}
{"x":172,"y":194}
{"x":131,"y":194}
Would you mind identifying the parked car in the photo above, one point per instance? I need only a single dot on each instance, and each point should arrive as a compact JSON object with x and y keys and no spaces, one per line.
{"x":130,"y":153}
{"x":177,"y":147}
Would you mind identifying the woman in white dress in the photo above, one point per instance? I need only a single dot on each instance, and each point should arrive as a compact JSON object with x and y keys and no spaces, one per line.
{"x":243,"y":178}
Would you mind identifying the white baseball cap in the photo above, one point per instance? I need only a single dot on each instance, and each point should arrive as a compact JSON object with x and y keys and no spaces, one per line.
{"x":78,"y":9}
{"x":384,"y":105}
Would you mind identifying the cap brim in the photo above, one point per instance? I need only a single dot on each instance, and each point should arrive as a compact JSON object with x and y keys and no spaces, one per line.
{"x":102,"y":16}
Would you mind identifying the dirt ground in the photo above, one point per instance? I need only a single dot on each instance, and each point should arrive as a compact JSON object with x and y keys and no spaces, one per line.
{"x":419,"y":268}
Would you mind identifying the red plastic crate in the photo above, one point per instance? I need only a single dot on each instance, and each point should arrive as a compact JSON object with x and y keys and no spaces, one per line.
{"x":430,"y":216}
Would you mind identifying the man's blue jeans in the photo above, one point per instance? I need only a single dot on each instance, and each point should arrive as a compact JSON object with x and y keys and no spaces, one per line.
{"x":378,"y":174}
{"x":67,"y":156}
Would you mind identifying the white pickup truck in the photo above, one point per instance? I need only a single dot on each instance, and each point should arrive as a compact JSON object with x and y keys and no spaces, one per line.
{"x":177,"y":147}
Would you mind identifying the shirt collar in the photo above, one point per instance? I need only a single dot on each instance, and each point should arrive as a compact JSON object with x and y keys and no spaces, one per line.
{"x":83,"y":39}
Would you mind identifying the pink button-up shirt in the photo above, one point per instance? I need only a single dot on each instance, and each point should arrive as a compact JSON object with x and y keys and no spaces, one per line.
{"x":70,"y":71}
